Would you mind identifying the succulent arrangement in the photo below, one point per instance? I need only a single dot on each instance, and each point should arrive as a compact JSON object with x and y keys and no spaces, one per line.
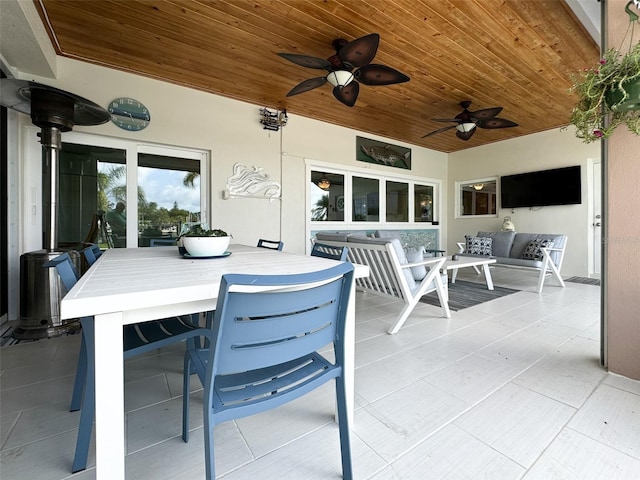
{"x":201,"y":230}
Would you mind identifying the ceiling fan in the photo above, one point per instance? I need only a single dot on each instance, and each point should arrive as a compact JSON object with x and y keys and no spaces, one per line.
{"x":356,"y":54}
{"x":468,"y":121}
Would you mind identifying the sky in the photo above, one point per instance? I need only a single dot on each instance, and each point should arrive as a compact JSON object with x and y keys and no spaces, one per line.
{"x":165,"y":187}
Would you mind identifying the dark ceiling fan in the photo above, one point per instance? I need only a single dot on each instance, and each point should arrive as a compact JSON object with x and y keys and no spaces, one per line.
{"x":349,"y":55}
{"x":466,"y":121}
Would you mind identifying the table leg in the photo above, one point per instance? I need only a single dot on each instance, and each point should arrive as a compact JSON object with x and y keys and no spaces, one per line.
{"x":109,"y":377}
{"x":454,"y":274}
{"x":349,"y":356}
{"x":487,"y":276}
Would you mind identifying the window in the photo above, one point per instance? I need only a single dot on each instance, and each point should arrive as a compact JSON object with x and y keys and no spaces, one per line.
{"x":168,"y":196}
{"x":143,"y":191}
{"x":423,"y":203}
{"x":397,"y":194}
{"x":366,"y":199}
{"x":327,"y":197}
{"x":476,"y":198}
{"x":350,"y":198}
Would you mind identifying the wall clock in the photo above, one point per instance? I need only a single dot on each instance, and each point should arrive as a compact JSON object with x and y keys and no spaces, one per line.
{"x":129,"y":114}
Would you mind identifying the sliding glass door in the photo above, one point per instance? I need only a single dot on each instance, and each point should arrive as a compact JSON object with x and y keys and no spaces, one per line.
{"x":123,"y":194}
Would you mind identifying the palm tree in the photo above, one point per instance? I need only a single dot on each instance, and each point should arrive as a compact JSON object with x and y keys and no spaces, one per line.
{"x":112,"y":184}
{"x":190,"y":178}
{"x":321,"y":210}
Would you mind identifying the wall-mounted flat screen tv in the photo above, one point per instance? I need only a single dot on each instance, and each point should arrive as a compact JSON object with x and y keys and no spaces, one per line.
{"x":560,"y":186}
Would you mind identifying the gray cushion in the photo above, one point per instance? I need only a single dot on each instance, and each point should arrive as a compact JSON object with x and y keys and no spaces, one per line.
{"x":519,"y":262}
{"x":521,"y":241}
{"x":533,"y":250}
{"x":332,"y":237}
{"x":478,"y":245}
{"x":368,"y":240}
{"x":502,"y":242}
{"x":387,"y":234}
{"x":413,"y":256}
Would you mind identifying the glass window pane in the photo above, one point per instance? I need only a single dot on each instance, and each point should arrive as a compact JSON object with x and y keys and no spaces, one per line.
{"x":397,"y":202}
{"x":168,"y":196}
{"x":327,"y":197}
{"x":366,"y":199}
{"x":84,"y":191}
{"x":112,"y":198}
{"x":478,"y":198}
{"x":423,"y":203}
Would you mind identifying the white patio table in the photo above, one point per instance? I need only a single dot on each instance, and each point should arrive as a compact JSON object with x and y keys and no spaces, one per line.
{"x":132,"y":285}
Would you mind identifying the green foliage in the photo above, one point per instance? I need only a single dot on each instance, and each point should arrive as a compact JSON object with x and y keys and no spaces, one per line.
{"x":593,"y":116}
{"x":198,"y":231}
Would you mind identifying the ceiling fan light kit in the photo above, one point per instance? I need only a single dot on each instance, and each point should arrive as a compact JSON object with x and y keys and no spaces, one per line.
{"x":465,"y":127}
{"x":340,"y":78}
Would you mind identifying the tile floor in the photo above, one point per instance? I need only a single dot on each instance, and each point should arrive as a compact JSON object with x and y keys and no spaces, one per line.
{"x":510,"y":389}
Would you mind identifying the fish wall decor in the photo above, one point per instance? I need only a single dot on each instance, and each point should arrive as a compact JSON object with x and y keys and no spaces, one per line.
{"x":373,"y":151}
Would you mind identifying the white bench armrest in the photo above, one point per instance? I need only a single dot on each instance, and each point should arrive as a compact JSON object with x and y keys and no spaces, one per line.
{"x":428,"y":261}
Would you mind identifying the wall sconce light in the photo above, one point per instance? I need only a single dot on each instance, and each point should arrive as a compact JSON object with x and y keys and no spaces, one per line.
{"x":324,"y":183}
{"x":478,"y":186}
{"x":273,"y":120}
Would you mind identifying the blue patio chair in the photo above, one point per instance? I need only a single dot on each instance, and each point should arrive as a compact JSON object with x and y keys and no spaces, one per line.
{"x":271,"y":336}
{"x":162,"y":242}
{"x":329,"y":251}
{"x":137,"y":339}
{"x":272,"y":244}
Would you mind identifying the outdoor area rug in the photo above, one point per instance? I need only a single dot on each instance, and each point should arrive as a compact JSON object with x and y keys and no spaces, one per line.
{"x":588,"y":281}
{"x":467,"y":294}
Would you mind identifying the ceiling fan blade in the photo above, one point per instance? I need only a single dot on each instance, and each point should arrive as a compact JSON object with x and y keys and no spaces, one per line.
{"x":486,"y":113}
{"x":496,"y":123}
{"x":465,"y":135}
{"x":440,"y":130}
{"x":307,"y":85}
{"x":306,"y":60}
{"x":375,"y":74}
{"x":347,"y":94}
{"x":457,"y":120}
{"x":360,"y":52}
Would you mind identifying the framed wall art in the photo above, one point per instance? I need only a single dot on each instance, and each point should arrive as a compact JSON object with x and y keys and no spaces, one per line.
{"x":380,"y":153}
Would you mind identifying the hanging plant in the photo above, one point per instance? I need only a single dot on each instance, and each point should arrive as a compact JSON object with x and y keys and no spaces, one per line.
{"x":608,"y":94}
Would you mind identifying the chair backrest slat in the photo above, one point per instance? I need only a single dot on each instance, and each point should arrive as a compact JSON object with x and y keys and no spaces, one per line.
{"x":271,"y":244}
{"x":299,"y":316}
{"x":329,"y":251}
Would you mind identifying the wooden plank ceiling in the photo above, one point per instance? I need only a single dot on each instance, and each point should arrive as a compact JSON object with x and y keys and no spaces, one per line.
{"x":518,"y":54}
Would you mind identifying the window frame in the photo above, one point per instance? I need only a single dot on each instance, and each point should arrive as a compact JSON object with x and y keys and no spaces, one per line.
{"x":133,"y":149}
{"x":382,"y":177}
{"x":459,"y":185}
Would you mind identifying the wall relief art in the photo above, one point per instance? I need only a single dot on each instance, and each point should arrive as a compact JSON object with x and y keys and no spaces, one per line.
{"x":250,"y":182}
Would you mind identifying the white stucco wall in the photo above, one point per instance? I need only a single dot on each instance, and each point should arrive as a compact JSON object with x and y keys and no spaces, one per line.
{"x":231,"y":132}
{"x":539,"y":151}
